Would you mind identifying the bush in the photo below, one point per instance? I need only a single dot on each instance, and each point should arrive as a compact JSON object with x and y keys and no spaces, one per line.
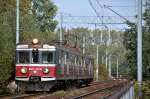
{"x":145,"y":87}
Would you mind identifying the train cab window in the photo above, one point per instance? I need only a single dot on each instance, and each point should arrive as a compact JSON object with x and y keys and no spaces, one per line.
{"x":47,"y":57}
{"x":35,"y":56}
{"x":23,"y":57}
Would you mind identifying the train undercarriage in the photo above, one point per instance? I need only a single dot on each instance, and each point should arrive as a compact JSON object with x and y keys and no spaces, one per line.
{"x":37,"y":85}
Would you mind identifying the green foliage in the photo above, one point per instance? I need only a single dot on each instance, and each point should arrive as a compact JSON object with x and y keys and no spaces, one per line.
{"x":130,"y":37}
{"x":44,"y":11}
{"x":44,"y":37}
{"x":130,"y":44}
{"x":145,"y":88}
{"x":31,"y":26}
{"x":75,"y":35}
{"x":116,"y":48}
{"x":28,"y":24}
{"x":103,"y":72}
{"x":7,"y":43}
{"x":39,"y":23}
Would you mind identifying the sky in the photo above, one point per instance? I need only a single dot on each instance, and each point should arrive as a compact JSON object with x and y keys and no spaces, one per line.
{"x":83,"y":8}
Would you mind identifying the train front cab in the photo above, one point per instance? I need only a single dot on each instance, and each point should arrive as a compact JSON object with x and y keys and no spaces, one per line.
{"x":35,"y":68}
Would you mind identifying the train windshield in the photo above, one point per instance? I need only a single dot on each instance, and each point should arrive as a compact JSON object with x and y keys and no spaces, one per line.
{"x":35,"y":57}
{"x":47,"y":57}
{"x":23,"y":57}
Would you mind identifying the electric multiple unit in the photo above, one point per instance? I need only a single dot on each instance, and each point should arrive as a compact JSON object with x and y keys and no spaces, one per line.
{"x":39,"y":66}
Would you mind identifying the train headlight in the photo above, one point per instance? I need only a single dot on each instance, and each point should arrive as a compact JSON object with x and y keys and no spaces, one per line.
{"x":24,"y":70}
{"x":35,"y":41}
{"x":45,"y":70}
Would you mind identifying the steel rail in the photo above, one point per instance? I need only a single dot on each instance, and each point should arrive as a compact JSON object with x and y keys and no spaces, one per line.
{"x":94,"y":92}
{"x":20,"y":96}
{"x":28,"y":96}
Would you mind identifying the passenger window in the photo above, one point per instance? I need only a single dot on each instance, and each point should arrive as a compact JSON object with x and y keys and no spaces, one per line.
{"x":47,"y":57}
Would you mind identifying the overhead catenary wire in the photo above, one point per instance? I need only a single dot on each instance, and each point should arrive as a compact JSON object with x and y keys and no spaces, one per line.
{"x":97,"y":49}
{"x":117,"y":13}
{"x":125,"y":6}
{"x":73,"y":16}
{"x":108,"y":7}
{"x":90,"y":2}
{"x":102,"y":7}
{"x":99,"y":4}
{"x":109,"y":35}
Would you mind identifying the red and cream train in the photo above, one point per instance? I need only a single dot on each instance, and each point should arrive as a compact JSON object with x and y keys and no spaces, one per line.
{"x":39,"y":66}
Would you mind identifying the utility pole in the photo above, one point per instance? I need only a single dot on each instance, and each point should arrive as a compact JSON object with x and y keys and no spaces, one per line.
{"x":102,"y":59}
{"x":109,"y":65}
{"x":17,"y":21}
{"x":97,"y":52}
{"x":101,"y":38}
{"x":93,"y":39}
{"x":101,"y":43}
{"x":109,"y":41}
{"x":61,"y":21}
{"x":139,"y":48}
{"x":83,"y":45}
{"x":106,"y":53}
{"x":97,"y":62}
{"x":117,"y":67}
{"x":97,"y":57}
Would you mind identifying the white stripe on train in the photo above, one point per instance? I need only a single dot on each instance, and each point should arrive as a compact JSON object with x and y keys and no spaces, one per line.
{"x":27,"y":79}
{"x":48,"y":65}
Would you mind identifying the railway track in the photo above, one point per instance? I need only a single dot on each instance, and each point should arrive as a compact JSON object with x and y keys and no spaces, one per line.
{"x":21,"y":96}
{"x":104,"y":92}
{"x":101,"y":90}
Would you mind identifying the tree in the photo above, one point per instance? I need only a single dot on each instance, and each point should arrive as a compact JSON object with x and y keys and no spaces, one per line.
{"x":44,"y":11}
{"x":130,"y":36}
{"x":146,"y":45}
{"x":29,"y":28}
{"x":39,"y":21}
{"x":130,"y":44}
{"x":116,"y":48}
{"x":7,"y":41}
